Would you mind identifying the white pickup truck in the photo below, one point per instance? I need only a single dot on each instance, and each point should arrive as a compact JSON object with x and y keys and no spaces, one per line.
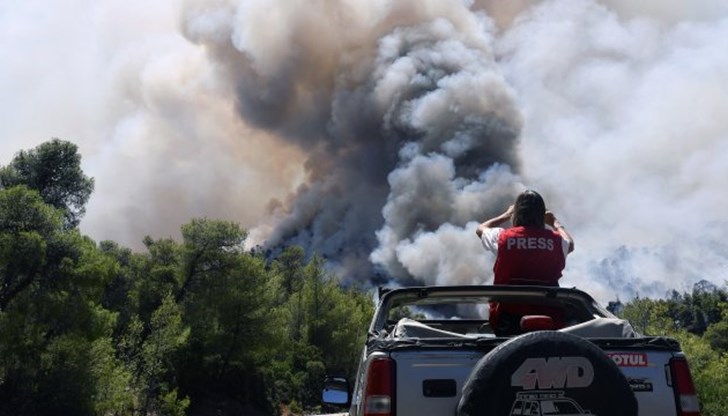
{"x":431,"y":351}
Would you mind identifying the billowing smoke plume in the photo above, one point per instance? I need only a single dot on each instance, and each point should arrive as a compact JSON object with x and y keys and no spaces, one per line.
{"x":421,"y":118}
{"x":378,"y":133}
{"x":407,"y":121}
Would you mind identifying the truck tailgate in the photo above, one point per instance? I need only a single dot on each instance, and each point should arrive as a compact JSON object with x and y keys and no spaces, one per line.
{"x":649,"y":376}
{"x":429,"y":382}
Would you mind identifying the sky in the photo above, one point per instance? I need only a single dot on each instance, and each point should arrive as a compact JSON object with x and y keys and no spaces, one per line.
{"x":379,"y":133}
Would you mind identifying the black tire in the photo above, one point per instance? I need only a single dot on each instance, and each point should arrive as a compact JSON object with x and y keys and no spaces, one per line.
{"x":555,"y":372}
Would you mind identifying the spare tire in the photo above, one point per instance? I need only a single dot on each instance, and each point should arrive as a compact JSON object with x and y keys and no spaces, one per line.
{"x":546,"y":372}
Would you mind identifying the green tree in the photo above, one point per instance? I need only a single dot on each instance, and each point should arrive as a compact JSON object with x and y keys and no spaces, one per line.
{"x":717,"y":333}
{"x":325,"y":331}
{"x":289,"y":266}
{"x":673,"y":317}
{"x":697,"y":310}
{"x":649,"y":317}
{"x":121,"y":294}
{"x":167,"y":335}
{"x":211,"y":249}
{"x":227,"y":301}
{"x":114,"y":391}
{"x":54,"y":170}
{"x":709,"y":369}
{"x":156,"y":274}
{"x":27,"y":227}
{"x":50,"y":317}
{"x":150,"y":331}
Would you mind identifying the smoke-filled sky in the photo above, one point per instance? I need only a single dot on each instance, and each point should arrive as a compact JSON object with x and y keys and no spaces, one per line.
{"x":378,"y":133}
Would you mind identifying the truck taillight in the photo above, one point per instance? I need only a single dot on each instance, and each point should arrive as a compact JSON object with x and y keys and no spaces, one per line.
{"x":682,"y":384}
{"x":379,"y":395}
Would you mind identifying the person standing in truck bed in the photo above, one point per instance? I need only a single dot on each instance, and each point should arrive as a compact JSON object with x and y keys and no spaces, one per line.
{"x":528,"y":253}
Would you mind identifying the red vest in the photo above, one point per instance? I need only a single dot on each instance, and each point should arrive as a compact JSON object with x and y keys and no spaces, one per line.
{"x":529,"y":256}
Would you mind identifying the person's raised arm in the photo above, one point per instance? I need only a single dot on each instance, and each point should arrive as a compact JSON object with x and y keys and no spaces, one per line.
{"x":495,"y":221}
{"x":551,"y":221}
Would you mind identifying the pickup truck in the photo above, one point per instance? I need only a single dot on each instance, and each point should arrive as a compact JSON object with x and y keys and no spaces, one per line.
{"x":431,"y":351}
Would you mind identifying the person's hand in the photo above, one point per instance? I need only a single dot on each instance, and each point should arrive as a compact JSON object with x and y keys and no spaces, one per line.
{"x":549,"y":219}
{"x":511,"y":209}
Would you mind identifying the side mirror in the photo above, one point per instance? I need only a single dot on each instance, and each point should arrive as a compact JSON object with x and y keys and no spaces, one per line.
{"x":336,"y":391}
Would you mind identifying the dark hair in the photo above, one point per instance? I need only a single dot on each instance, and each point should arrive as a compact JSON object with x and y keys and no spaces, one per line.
{"x":529,"y":210}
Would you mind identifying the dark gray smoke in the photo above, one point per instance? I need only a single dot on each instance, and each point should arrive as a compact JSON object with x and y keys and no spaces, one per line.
{"x":403,"y":112}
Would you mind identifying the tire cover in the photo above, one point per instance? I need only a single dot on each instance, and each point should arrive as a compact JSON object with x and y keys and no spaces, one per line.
{"x":547,"y":373}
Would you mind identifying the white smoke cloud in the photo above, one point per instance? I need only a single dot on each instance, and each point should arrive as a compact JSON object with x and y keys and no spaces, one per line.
{"x":623,"y":131}
{"x":671,"y":11}
{"x":155,"y":126}
{"x":379,"y":133}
